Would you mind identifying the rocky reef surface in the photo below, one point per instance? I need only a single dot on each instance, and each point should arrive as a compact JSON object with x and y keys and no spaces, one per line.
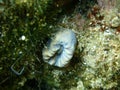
{"x":96,"y":62}
{"x":25,"y":28}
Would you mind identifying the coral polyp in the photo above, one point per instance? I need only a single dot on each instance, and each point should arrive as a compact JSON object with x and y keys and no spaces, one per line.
{"x":60,"y":49}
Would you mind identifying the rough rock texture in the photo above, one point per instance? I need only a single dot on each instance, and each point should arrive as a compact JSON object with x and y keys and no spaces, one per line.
{"x":96,"y":60}
{"x":25,"y":29}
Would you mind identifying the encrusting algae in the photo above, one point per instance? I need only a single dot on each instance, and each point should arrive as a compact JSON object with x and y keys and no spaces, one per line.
{"x":98,"y":59}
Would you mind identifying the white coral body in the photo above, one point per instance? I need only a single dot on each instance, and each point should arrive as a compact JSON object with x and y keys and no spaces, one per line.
{"x":61,"y":48}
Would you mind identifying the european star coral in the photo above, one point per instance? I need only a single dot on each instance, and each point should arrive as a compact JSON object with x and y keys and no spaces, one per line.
{"x":60,"y":48}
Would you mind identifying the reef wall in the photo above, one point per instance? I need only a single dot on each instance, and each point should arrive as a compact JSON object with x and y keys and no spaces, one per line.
{"x":25,"y":28}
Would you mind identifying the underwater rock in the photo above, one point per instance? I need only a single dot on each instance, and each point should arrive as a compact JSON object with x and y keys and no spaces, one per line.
{"x":60,"y":49}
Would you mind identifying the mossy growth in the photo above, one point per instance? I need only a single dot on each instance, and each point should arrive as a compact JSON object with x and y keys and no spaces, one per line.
{"x":24,"y":27}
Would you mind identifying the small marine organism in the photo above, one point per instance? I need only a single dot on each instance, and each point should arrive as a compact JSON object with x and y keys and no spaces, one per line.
{"x":60,"y":48}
